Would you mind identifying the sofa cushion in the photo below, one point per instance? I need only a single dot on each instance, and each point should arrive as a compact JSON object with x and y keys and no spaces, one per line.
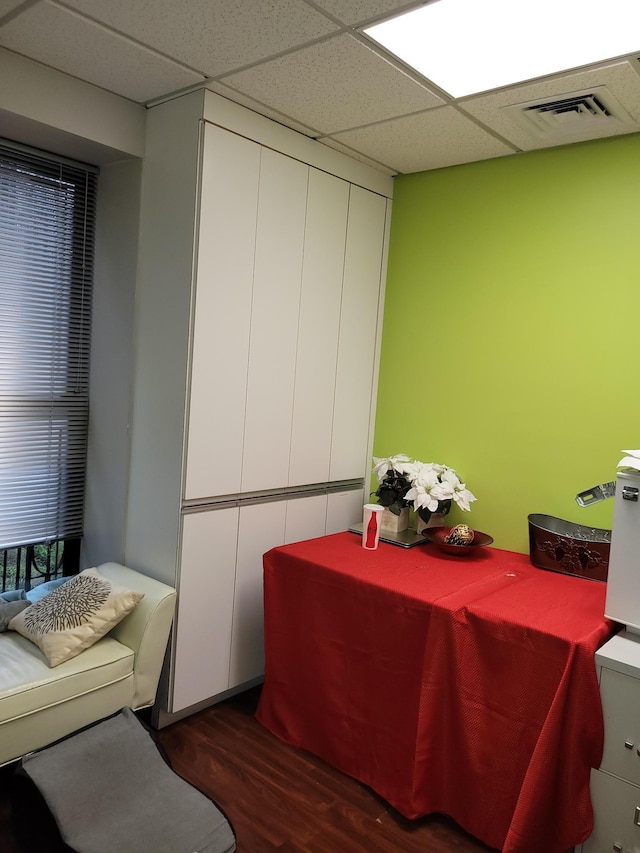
{"x":75,"y":615}
{"x":42,"y":589}
{"x":13,"y":595}
{"x":28,"y":684}
{"x":9,"y":609}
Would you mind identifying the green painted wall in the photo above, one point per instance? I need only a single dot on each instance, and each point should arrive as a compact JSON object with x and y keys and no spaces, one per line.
{"x":512,"y":328}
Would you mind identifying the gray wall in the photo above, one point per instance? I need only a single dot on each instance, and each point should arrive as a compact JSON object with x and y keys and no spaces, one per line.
{"x":111,"y":361}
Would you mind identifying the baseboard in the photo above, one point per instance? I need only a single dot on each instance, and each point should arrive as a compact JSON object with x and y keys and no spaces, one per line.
{"x":160,"y":717}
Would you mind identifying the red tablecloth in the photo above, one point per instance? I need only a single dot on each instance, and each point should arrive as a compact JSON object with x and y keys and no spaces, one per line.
{"x":465,"y":686}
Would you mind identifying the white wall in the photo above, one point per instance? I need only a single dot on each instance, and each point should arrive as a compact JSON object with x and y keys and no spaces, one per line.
{"x":55,"y":112}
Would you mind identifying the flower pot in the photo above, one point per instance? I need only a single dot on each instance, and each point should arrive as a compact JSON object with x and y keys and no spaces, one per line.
{"x":436,"y":520}
{"x":395,"y":523}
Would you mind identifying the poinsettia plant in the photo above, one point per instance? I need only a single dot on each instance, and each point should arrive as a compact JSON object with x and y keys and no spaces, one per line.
{"x":394,"y":482}
{"x":427,"y":486}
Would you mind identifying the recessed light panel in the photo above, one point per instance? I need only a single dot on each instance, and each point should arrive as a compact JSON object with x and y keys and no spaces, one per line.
{"x":470,"y":46}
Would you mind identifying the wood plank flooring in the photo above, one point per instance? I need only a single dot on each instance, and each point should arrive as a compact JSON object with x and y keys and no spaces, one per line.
{"x":279,"y":798}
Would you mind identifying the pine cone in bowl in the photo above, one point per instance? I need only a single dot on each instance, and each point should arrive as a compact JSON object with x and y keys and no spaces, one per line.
{"x":461,"y":534}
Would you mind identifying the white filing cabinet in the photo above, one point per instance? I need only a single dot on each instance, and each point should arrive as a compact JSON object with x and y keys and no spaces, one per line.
{"x":615,"y":787}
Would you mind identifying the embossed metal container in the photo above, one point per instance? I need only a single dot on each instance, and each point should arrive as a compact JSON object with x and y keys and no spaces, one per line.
{"x":572,"y":549}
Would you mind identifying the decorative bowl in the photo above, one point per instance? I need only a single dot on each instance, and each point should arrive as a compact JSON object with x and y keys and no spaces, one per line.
{"x":437,"y":536}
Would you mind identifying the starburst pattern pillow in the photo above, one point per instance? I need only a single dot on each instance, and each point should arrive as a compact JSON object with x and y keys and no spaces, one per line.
{"x":75,"y":615}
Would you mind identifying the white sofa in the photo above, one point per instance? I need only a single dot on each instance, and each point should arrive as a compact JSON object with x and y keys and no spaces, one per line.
{"x":39,"y":704}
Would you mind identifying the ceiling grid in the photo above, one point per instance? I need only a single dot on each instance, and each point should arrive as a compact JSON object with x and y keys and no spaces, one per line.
{"x":308,"y":65}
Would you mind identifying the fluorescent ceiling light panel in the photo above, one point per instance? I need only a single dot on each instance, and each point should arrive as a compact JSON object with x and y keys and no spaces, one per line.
{"x":469,"y":46}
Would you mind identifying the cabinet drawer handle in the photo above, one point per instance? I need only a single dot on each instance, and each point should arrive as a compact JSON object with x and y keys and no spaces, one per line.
{"x":617,"y":848}
{"x":628,"y":744}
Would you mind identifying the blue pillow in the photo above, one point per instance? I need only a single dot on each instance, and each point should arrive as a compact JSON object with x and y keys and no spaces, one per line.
{"x":13,"y":595}
{"x":43,"y":589}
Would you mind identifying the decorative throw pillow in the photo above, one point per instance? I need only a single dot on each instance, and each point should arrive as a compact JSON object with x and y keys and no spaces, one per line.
{"x":9,"y":609}
{"x":75,"y":615}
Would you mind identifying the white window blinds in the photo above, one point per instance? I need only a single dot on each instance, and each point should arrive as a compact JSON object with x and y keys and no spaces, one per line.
{"x":47,"y":214}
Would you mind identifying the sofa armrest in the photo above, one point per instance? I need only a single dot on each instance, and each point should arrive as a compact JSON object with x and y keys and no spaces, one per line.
{"x":146,"y":629}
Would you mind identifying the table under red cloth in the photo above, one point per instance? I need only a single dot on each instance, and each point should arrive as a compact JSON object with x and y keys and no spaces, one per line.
{"x":465,"y":686}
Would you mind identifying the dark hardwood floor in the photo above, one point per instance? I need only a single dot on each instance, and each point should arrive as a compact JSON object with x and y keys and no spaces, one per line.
{"x":279,"y":798}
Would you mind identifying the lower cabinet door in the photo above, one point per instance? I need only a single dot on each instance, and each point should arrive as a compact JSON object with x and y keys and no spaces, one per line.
{"x":344,"y":509}
{"x":306,"y":519}
{"x":261,"y":528}
{"x":205,"y":606}
{"x":616,"y":805}
{"x":219,"y":627}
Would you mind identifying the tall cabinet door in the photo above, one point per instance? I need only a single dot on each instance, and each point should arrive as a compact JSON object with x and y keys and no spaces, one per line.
{"x":318,"y":328}
{"x":274,"y":321}
{"x":358,"y":324}
{"x":222,"y":314}
{"x":204,"y":618}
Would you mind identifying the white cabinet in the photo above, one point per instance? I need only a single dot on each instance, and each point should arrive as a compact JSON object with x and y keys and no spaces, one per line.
{"x":284,"y":348}
{"x":318,"y":328}
{"x":274,"y":321}
{"x":615,"y":787}
{"x":219,"y":637}
{"x":207,"y":582}
{"x":359,"y":319}
{"x":261,"y":279}
{"x":222,"y":321}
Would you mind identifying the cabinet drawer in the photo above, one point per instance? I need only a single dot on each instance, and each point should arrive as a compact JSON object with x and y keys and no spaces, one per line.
{"x":620,"y":703}
{"x":615,"y":804}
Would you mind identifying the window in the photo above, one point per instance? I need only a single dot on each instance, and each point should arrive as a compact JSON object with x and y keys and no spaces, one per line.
{"x":47,"y":215}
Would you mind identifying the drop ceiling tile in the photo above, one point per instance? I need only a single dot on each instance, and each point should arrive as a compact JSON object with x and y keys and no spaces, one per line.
{"x":357,"y":155}
{"x":336,"y":84}
{"x":213,"y":37}
{"x":428,"y":140}
{"x":70,"y":43}
{"x":358,"y":11}
{"x":620,"y":79}
{"x":257,"y":107}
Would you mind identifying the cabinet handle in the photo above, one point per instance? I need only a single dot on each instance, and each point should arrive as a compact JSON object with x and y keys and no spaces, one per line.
{"x":636,"y":817}
{"x":617,"y":847}
{"x":628,"y":744}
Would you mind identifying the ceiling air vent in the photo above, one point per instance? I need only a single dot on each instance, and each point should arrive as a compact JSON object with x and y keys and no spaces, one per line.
{"x":577,"y":115}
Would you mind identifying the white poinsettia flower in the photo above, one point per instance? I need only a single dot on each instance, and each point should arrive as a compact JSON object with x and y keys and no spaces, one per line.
{"x":450,"y":476}
{"x":443,"y":491}
{"x":423,"y":475}
{"x":423,"y":496}
{"x":463,"y":497}
{"x":383,"y":464}
{"x":422,"y":471}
